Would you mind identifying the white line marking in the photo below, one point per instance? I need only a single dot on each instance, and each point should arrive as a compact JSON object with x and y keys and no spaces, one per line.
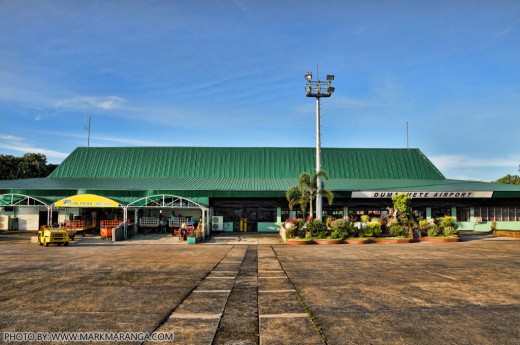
{"x":287,"y":315}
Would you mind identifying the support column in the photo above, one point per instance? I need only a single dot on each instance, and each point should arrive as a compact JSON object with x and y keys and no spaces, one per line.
{"x":319,"y":212}
{"x":49,"y":215}
{"x":125,"y":222}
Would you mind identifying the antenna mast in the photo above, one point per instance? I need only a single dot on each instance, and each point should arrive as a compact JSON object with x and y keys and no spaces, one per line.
{"x":86,"y":125}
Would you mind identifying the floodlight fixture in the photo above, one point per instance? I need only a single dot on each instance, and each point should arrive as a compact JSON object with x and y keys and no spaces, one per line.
{"x":308,"y":76}
{"x":330,"y":77}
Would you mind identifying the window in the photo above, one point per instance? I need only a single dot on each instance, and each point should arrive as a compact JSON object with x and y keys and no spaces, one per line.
{"x":439,"y":212}
{"x":419,"y":212}
{"x":267,"y":215}
{"x":287,"y":214}
{"x":463,"y":214}
{"x":498,"y":214}
{"x":333,"y":212}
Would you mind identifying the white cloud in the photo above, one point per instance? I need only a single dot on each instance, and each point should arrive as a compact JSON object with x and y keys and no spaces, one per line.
{"x":11,"y":137}
{"x":453,"y":161}
{"x":82,"y":102}
{"x":29,"y":149}
{"x":38,"y":117}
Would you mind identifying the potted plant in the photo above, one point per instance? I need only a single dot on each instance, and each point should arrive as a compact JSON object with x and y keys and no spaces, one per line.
{"x":320,"y":233}
{"x":445,"y":231}
{"x":194,"y":236}
{"x":296,"y":232}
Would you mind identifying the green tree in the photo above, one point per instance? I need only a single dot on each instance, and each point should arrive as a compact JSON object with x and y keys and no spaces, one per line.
{"x":9,"y":167}
{"x":509,"y":179}
{"x":29,"y":165}
{"x":32,"y":165}
{"x":306,"y":191}
{"x":402,"y":203}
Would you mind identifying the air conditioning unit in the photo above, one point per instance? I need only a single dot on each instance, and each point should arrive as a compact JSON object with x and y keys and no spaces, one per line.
{"x":217,"y":223}
{"x":4,"y":222}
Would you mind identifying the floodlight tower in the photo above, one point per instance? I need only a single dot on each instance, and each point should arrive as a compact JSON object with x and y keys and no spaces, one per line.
{"x":318,"y":89}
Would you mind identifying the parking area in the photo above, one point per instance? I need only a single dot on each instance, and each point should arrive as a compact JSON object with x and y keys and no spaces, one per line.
{"x":418,"y":293}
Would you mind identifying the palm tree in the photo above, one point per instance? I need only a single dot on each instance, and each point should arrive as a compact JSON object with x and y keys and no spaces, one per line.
{"x":306,"y":191}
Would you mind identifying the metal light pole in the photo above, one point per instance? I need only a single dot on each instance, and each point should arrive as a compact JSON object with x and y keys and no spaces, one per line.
{"x":318,"y":89}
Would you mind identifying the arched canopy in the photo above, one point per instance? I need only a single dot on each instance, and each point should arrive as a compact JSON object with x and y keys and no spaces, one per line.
{"x":165,"y":200}
{"x":88,"y":200}
{"x":22,"y":200}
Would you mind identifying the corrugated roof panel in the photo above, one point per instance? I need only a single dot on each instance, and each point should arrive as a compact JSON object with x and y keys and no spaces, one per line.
{"x":243,"y":162}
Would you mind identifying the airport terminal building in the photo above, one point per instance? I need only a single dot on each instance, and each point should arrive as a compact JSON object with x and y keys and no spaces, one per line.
{"x":243,"y":188}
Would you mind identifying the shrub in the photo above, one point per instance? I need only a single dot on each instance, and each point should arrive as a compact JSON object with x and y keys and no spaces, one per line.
{"x":433,"y":230}
{"x":374,"y":229}
{"x":322,"y":234}
{"x":423,"y":225}
{"x":343,"y":224}
{"x":449,"y":226}
{"x":398,"y":230}
{"x":339,"y":234}
{"x":493,"y":225}
{"x":330,"y":220}
{"x":365,"y":218}
{"x":316,"y":227}
{"x":341,"y":228}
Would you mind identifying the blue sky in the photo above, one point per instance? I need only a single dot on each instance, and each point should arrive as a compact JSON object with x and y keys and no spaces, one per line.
{"x":231,"y":73}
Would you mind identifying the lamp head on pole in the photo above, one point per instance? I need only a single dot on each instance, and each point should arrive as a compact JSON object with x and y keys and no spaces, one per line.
{"x":308,"y":76}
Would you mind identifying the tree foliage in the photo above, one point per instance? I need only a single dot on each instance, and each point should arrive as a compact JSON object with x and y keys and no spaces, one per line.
{"x":306,"y":191}
{"x":30,"y":165}
{"x":509,"y":179}
{"x":402,"y":203}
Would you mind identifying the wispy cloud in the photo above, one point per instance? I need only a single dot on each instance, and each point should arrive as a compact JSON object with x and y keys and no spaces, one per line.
{"x":79,"y":102}
{"x":11,"y":137}
{"x":454,"y":161}
{"x":504,"y":32}
{"x":111,"y":139}
{"x":30,"y":149}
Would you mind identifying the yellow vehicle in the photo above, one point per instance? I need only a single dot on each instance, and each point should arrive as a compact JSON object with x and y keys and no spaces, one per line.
{"x":47,"y":235}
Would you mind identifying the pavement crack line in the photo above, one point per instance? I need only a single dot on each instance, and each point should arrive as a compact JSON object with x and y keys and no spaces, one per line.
{"x":314,"y":321}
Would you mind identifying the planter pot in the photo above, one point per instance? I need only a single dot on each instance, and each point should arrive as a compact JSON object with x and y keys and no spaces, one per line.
{"x":441,"y":239}
{"x":298,"y":243}
{"x":358,"y":241}
{"x":328,"y":241}
{"x":194,"y":240}
{"x":393,"y":240}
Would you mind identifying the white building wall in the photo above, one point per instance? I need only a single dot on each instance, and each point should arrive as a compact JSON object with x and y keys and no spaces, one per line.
{"x":28,"y":217}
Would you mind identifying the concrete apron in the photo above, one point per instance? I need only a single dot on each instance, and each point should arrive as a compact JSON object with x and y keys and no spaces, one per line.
{"x":246,"y":299}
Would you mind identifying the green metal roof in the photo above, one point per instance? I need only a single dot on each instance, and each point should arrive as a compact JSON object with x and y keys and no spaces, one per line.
{"x":198,"y":173}
{"x":243,"y":163}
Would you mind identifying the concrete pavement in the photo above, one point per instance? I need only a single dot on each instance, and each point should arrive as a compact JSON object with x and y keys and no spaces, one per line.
{"x":418,"y":293}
